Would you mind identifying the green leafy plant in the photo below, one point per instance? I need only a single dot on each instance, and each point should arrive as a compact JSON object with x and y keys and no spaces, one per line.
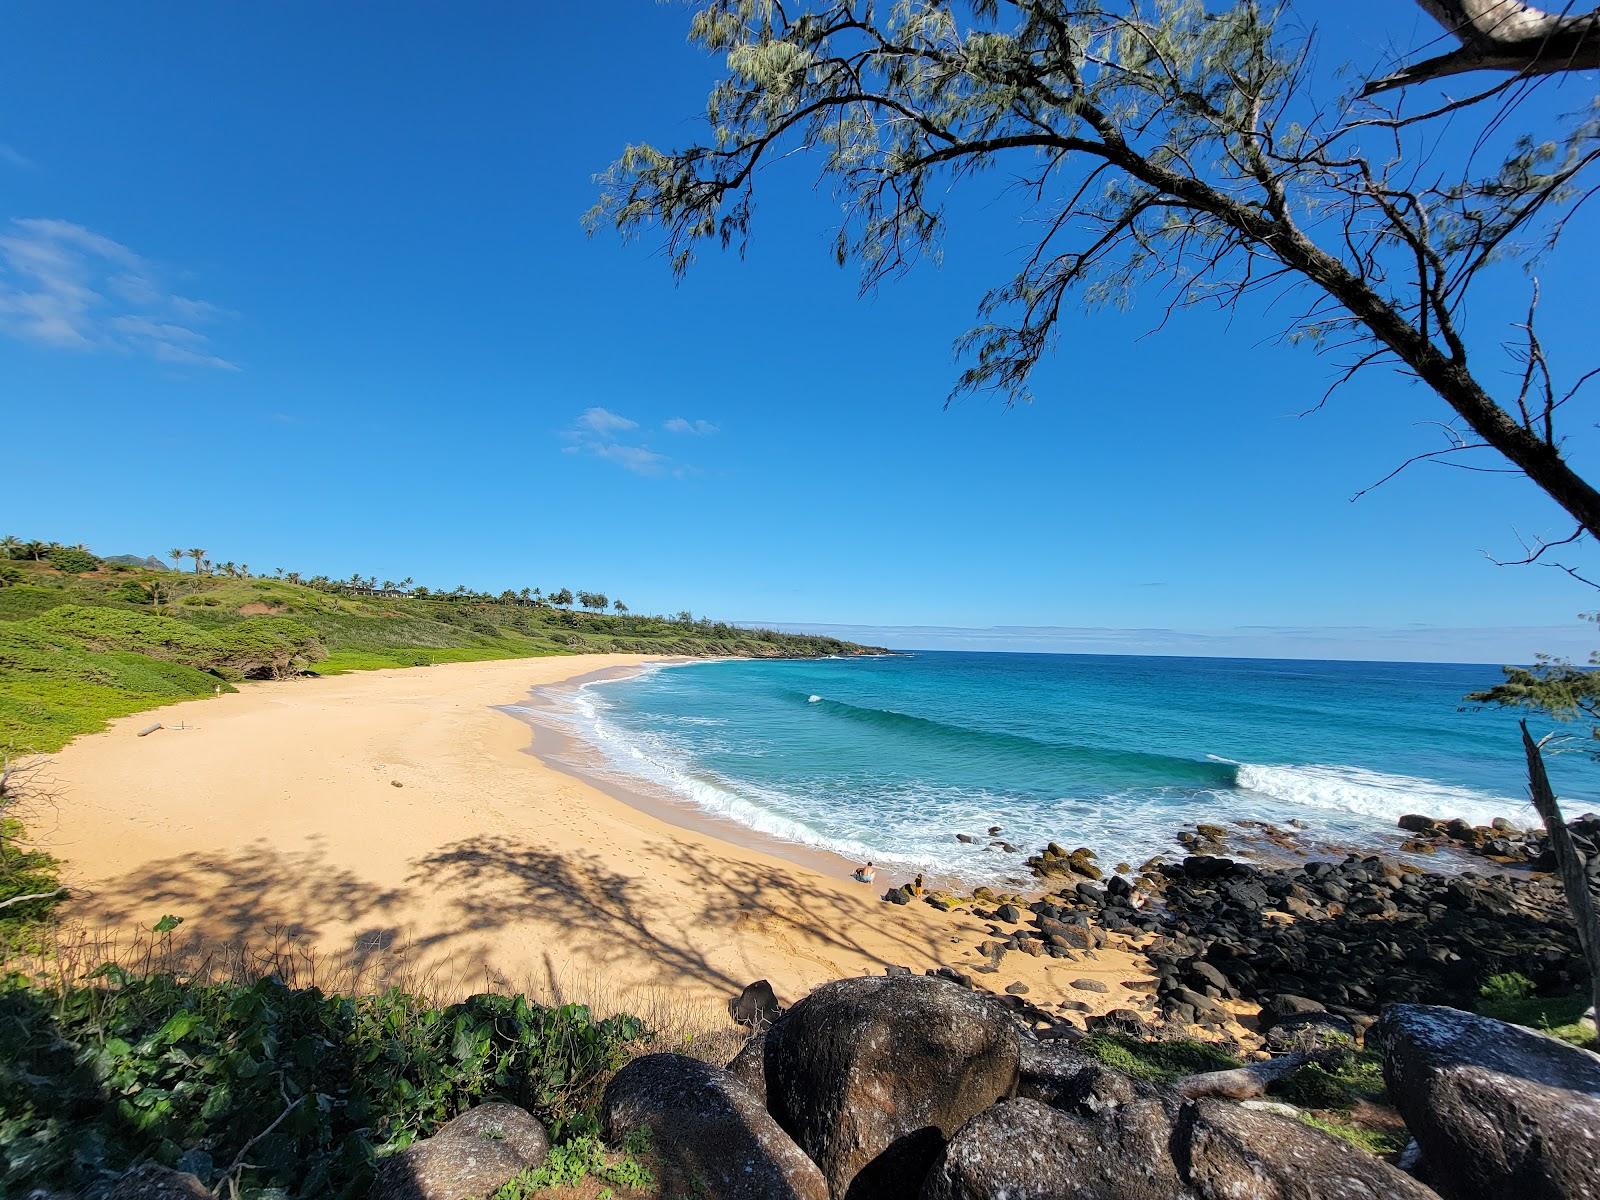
{"x":95,"y":1078}
{"x":571,"y":1163}
{"x":1509,"y":987}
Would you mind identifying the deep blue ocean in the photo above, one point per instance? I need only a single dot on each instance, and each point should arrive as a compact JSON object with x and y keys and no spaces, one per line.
{"x":888,"y":758}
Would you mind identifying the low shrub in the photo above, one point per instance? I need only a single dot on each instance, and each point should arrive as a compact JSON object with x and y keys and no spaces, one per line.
{"x":96,"y":1078}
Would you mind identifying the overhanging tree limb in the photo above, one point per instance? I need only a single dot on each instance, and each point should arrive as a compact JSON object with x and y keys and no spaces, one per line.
{"x":1175,"y":146}
{"x":1503,"y":35}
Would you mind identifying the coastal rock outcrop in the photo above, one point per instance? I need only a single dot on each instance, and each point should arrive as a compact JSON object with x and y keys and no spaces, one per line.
{"x":749,"y":1065}
{"x":1022,"y":1148}
{"x":1340,"y":938}
{"x":470,"y":1157}
{"x":870,"y":1076}
{"x":710,"y":1134}
{"x":1496,"y":1109}
{"x":1151,"y":1149}
{"x":1228,"y":1151}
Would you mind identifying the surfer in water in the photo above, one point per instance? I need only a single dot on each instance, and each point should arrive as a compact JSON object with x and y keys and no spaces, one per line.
{"x":865,"y":874}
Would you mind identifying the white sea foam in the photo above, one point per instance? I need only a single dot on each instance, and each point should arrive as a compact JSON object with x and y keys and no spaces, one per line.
{"x":644,"y":756}
{"x":813,"y":699}
{"x":1372,"y":793}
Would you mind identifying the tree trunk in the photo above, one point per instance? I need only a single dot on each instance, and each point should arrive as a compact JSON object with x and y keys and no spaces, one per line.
{"x":1503,"y":35}
{"x":1574,"y":878}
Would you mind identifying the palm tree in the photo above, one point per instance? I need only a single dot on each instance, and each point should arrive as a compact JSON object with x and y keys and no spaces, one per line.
{"x":244,"y":570}
{"x":9,"y":546}
{"x":198,"y":555}
{"x":619,"y":606}
{"x":35,"y":549}
{"x":176,"y":556}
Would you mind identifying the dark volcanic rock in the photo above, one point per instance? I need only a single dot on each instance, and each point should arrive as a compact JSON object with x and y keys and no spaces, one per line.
{"x":757,"y":1005}
{"x":153,"y":1182}
{"x":470,"y":1157}
{"x":1497,"y":1110}
{"x":749,"y":1065}
{"x":1227,"y":1152}
{"x":1024,"y":1150}
{"x":1054,"y":1073}
{"x":871,"y":1076}
{"x":709,"y":1132}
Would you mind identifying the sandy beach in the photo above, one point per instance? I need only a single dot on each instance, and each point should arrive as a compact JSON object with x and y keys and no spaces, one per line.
{"x":398,"y":815}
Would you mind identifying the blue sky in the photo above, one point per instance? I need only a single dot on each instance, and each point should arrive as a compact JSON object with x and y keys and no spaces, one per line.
{"x":319,"y":297}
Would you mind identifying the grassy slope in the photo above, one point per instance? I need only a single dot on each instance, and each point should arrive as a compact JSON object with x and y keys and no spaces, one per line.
{"x":54,"y":687}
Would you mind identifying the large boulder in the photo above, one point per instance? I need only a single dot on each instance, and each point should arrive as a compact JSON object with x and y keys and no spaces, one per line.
{"x":757,"y":1005}
{"x":1227,"y":1152}
{"x":749,"y":1066}
{"x":1498,"y":1110}
{"x":871,"y":1076}
{"x":1024,"y":1150}
{"x":468,"y":1158}
{"x":1054,"y":1073}
{"x":711,"y":1136}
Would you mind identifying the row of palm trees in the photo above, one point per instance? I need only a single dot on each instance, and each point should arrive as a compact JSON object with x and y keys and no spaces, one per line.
{"x":33,"y":548}
{"x":356,"y":585}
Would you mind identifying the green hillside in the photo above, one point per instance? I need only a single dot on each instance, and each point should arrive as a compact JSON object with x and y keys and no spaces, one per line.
{"x":83,"y":640}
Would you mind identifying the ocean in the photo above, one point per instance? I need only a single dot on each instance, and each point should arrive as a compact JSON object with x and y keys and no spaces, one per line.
{"x":889,"y":758}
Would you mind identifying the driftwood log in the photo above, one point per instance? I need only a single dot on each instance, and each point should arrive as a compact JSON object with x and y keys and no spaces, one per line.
{"x":1569,"y":863}
{"x":1241,"y":1083}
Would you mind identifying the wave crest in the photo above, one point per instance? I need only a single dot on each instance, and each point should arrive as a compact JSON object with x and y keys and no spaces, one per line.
{"x":1371,"y":793}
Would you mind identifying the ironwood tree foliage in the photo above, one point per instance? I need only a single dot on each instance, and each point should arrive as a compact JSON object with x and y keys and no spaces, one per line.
{"x":1158,"y":146}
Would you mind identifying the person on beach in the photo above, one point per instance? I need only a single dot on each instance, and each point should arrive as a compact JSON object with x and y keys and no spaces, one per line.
{"x":866,"y":874}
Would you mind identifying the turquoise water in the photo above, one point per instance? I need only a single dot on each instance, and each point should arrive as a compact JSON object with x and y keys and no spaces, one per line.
{"x":888,"y":758}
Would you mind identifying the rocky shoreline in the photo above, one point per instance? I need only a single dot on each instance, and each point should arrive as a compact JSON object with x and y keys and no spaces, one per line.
{"x":1247,"y":951}
{"x":908,"y":1088}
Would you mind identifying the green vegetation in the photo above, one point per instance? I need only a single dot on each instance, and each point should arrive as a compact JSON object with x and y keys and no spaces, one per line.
{"x":1156,"y":1061}
{"x":1383,"y":1142}
{"x":585,"y":1158}
{"x":84,"y":640}
{"x":316,"y":1088}
{"x":24,"y":872}
{"x":1510,"y":997}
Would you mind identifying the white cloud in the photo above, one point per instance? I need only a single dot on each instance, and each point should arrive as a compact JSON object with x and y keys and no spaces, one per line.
{"x":684,"y":425}
{"x":65,"y":286}
{"x":595,"y":433}
{"x":603,"y":421}
{"x":639,"y":459}
{"x":13,"y":157}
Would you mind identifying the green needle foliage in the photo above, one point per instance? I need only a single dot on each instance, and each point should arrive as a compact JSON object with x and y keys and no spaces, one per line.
{"x":1192,"y":150}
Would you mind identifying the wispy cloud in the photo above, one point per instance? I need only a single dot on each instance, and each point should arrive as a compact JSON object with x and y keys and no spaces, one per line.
{"x":596,"y":432}
{"x":65,"y":286}
{"x":684,"y":425}
{"x":13,"y":157}
{"x":603,"y":421}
